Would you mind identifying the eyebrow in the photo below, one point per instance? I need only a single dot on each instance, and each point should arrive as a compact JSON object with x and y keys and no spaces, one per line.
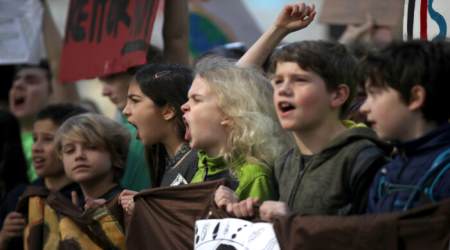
{"x":194,"y":95}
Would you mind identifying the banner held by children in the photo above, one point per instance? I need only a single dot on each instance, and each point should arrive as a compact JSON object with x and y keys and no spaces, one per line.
{"x":104,"y":37}
{"x":234,"y":234}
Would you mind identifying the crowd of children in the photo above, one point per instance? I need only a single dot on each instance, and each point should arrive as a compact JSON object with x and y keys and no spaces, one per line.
{"x":282,"y":139}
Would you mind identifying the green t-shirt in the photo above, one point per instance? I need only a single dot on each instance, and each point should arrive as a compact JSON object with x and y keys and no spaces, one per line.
{"x":27,"y":143}
{"x":136,"y":176}
{"x":254,"y":180}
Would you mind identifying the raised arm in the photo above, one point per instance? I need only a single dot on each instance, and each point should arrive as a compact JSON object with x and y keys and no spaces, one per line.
{"x":53,"y":44}
{"x":176,"y":31}
{"x":293,"y":17}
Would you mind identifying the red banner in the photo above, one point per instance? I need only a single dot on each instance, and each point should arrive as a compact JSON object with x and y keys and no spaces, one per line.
{"x":104,"y":37}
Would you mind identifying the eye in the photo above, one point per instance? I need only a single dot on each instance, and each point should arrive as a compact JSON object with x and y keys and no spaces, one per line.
{"x":277,"y":81}
{"x":68,"y":149}
{"x":48,"y":138}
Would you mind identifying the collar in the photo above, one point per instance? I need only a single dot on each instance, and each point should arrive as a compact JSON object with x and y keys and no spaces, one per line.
{"x":435,"y":138}
{"x":172,"y":161}
{"x":213,"y":164}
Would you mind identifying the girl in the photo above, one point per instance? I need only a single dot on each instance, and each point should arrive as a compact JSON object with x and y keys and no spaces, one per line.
{"x":231,"y":120}
{"x":154,"y":100}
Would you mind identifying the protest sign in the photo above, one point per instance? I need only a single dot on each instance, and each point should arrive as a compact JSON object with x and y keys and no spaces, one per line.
{"x":104,"y":37}
{"x":426,"y":19}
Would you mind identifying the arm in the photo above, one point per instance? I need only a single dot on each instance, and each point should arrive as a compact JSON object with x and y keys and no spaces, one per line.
{"x":53,"y":44}
{"x":292,"y":18}
{"x":176,"y":32}
{"x":354,"y":33}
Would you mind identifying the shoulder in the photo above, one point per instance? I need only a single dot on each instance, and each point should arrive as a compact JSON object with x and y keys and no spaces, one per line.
{"x":286,"y":157}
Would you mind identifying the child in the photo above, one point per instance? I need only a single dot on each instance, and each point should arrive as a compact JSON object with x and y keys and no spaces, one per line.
{"x":154,"y":104}
{"x":94,"y":150}
{"x":407,"y":92}
{"x":48,"y":167}
{"x":331,"y":168}
{"x":230,"y":120}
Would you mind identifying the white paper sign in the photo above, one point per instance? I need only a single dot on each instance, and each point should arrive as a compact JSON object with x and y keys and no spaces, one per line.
{"x":234,"y":234}
{"x":426,"y":19}
{"x":20,"y":31}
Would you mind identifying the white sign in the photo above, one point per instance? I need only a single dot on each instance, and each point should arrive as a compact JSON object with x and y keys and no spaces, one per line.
{"x":20,"y":31}
{"x":426,"y":19}
{"x":234,"y":234}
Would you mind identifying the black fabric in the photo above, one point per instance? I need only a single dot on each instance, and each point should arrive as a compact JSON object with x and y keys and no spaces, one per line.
{"x":164,"y":218}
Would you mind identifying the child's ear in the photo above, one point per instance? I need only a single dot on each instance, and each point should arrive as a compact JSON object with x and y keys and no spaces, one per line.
{"x":339,"y":96}
{"x":226,"y":122}
{"x":417,"y":97}
{"x":168,"y":112}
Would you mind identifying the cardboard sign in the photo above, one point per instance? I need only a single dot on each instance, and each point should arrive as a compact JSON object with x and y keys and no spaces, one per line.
{"x":343,"y":12}
{"x":20,"y":31}
{"x":104,"y":37}
{"x":234,"y":234}
{"x":426,"y":19}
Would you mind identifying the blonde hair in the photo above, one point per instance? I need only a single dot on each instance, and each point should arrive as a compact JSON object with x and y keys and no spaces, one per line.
{"x":245,"y":96}
{"x":98,"y":130}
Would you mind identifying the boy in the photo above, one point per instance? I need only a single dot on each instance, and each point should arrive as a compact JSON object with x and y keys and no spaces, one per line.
{"x":94,"y":150}
{"x":331,"y":167}
{"x":35,"y":86}
{"x":407,"y":92}
{"x":48,"y":167}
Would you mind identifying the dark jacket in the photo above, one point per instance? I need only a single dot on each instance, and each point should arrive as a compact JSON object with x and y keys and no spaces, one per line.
{"x":397,"y":180}
{"x":335,"y":180}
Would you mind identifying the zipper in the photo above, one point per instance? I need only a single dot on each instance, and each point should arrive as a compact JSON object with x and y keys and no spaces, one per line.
{"x":297,"y":183}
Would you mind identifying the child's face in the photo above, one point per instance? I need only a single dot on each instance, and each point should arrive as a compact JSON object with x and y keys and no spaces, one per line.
{"x":145,"y":115}
{"x":29,"y":92}
{"x":386,"y":112}
{"x":205,"y":121}
{"x":301,"y":99}
{"x":44,"y":156}
{"x":115,"y":87}
{"x":84,"y":163}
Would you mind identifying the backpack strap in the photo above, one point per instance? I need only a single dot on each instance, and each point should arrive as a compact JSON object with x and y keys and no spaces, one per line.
{"x":429,"y":181}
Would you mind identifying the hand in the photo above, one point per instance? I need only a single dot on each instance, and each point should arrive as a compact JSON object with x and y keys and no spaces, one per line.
{"x":243,"y":209}
{"x":224,"y":196}
{"x":294,"y":17}
{"x":271,"y":209}
{"x":353,"y":33}
{"x":126,"y":200}
{"x":13,"y":226}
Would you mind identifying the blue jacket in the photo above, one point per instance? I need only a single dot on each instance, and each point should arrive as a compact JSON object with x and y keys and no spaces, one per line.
{"x":410,"y":180}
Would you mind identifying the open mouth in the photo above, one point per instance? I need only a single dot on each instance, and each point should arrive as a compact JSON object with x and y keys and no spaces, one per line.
{"x":38,"y":161}
{"x":19,"y":101}
{"x":285,"y":107}
{"x":187,"y":134}
{"x":137,"y":131}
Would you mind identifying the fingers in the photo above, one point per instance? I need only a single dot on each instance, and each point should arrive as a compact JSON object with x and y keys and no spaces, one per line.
{"x":129,"y":208}
{"x":224,"y":196}
{"x":125,"y":197}
{"x":271,"y":209}
{"x":243,"y":209}
{"x":13,"y":225}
